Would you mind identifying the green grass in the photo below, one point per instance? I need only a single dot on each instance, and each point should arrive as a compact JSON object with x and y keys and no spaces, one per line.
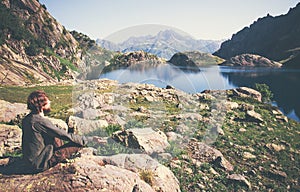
{"x":232,"y":144}
{"x":61,"y":97}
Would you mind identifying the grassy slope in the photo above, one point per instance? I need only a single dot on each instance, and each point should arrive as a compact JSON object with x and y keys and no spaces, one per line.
{"x":233,"y":145}
{"x":61,"y":97}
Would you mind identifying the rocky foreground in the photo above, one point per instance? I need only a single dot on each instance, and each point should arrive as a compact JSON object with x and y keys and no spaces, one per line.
{"x":162,"y":140}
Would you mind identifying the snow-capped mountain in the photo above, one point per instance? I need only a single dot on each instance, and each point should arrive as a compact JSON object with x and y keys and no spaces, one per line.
{"x":164,"y":44}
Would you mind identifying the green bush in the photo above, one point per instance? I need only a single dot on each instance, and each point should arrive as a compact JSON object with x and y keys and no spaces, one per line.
{"x":265,"y":91}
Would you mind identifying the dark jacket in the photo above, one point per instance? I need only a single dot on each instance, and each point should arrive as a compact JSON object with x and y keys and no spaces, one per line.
{"x":38,"y":139}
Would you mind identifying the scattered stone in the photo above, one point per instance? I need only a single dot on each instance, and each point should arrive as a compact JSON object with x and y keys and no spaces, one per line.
{"x":175,"y":163}
{"x":220,"y":131}
{"x":282,"y":118}
{"x":213,"y":171}
{"x":242,"y":130}
{"x":231,"y":105}
{"x":246,"y":107}
{"x":182,"y":128}
{"x":172,"y":136}
{"x":248,"y":155}
{"x":200,"y":186}
{"x":221,"y":161}
{"x":149,"y":98}
{"x":10,"y":138}
{"x":254,"y":116}
{"x":164,"y":156}
{"x":275,"y":147}
{"x":277,"y":174}
{"x":189,"y":116}
{"x":142,"y":109}
{"x":239,"y":178}
{"x":188,"y":170}
{"x":4,"y":161}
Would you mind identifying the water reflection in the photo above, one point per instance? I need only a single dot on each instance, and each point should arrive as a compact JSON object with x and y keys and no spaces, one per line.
{"x":190,"y":80}
{"x":283,"y":83}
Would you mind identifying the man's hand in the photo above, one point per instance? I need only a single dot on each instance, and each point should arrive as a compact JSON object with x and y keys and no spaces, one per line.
{"x":100,"y":140}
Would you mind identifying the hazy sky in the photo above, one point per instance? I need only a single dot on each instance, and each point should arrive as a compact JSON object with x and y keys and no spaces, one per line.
{"x":203,"y":19}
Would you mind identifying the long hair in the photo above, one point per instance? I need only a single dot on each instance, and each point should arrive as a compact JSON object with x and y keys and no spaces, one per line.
{"x":36,"y":100}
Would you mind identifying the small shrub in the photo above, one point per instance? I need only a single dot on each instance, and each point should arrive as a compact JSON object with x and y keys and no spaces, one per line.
{"x":265,"y":91}
{"x":147,"y":175}
{"x":110,"y":129}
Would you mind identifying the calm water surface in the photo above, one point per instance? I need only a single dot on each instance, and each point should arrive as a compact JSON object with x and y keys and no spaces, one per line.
{"x":283,"y":83}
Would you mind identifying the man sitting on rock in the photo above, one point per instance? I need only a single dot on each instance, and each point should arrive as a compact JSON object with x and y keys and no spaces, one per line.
{"x":42,"y":142}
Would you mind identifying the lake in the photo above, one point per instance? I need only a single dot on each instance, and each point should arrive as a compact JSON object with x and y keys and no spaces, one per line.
{"x":284,"y":83}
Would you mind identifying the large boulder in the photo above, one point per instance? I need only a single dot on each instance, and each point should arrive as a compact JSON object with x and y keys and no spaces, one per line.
{"x":145,"y":139}
{"x":144,"y":164}
{"x":95,"y":173}
{"x":11,"y":111}
{"x":84,"y":126}
{"x":247,"y":92}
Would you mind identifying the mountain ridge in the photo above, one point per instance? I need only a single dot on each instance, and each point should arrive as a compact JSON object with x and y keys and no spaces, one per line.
{"x":276,"y":38}
{"x":164,"y":44}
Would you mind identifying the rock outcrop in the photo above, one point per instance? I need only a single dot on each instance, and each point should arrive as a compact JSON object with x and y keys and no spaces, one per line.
{"x":162,"y":178}
{"x":34,"y":47}
{"x":273,"y":37}
{"x":12,"y":112}
{"x":94,"y":173}
{"x":247,"y":92}
{"x":250,"y":60}
{"x":194,"y":59}
{"x":131,"y":59}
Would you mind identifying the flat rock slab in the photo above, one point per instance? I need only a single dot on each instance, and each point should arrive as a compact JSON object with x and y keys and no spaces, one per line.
{"x":145,"y":139}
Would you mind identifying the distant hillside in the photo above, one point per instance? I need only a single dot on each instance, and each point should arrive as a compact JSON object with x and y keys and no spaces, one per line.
{"x":165,"y":44}
{"x":195,"y":59}
{"x":276,"y":38}
{"x":34,"y":47}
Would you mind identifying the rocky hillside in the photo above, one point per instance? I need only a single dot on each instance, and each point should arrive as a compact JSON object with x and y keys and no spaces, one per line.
{"x":276,"y":38}
{"x":165,"y":44}
{"x":34,"y":47}
{"x":194,"y":59}
{"x":250,"y":60}
{"x":214,"y":141}
{"x":123,"y":60}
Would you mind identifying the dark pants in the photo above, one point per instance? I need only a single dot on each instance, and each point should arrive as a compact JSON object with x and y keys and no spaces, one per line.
{"x":63,"y":151}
